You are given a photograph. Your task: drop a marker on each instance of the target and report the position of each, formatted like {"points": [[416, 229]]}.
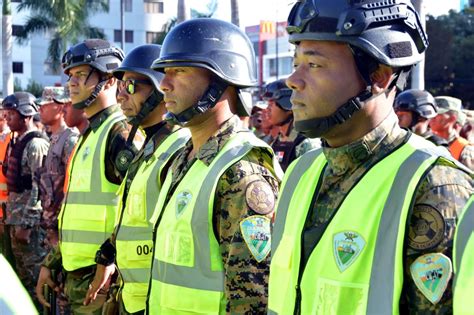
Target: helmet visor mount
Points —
{"points": [[301, 14]]}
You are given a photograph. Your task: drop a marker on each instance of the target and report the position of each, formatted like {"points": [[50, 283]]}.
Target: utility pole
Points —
{"points": [[418, 72], [7, 46], [122, 28]]}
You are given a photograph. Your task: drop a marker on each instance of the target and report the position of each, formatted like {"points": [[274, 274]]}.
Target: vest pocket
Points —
{"points": [[176, 248], [136, 211], [335, 297]]}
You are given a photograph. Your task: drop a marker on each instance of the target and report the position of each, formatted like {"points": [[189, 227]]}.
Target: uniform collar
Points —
{"points": [[97, 120], [379, 141]]}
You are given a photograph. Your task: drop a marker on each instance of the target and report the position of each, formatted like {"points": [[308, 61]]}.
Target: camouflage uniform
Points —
{"points": [[441, 194], [246, 279], [51, 177], [77, 281], [24, 212]]}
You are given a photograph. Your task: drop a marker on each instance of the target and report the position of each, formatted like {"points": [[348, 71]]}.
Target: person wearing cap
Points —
{"points": [[444, 125], [97, 167], [23, 211], [415, 108], [130, 246], [365, 224], [288, 144], [50, 176], [211, 248]]}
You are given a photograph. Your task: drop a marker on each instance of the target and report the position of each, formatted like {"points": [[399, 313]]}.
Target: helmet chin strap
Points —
{"points": [[208, 100], [148, 106], [88, 101]]}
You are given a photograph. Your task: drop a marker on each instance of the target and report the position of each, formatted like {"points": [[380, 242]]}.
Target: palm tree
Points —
{"points": [[183, 11], [7, 48], [66, 20], [234, 11]]}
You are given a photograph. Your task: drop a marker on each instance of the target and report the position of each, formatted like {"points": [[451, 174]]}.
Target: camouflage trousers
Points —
{"points": [[75, 289], [28, 258]]}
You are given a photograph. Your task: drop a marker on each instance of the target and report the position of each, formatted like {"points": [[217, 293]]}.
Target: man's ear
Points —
{"points": [[381, 79], [112, 81]]}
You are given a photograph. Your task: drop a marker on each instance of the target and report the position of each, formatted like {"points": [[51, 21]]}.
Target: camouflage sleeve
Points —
{"points": [[33, 156], [439, 201], [306, 145], [69, 147], [54, 259], [467, 157], [116, 142], [245, 200]]}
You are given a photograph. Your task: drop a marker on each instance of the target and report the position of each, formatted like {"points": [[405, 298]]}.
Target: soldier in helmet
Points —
{"points": [[213, 217], [23, 210], [289, 144], [98, 165], [414, 109], [131, 244], [50, 177], [364, 225]]}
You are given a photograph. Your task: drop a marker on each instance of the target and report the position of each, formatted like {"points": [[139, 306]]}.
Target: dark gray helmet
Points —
{"points": [[420, 102], [279, 92], [388, 31], [216, 45], [23, 102], [139, 60], [97, 53]]}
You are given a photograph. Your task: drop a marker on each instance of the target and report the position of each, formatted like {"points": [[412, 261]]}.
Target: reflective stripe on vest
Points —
{"points": [[134, 236], [381, 218], [187, 273], [88, 213], [463, 256]]}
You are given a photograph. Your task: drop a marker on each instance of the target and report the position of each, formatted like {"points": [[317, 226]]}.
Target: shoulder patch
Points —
{"points": [[260, 197], [427, 228], [256, 233], [431, 273]]}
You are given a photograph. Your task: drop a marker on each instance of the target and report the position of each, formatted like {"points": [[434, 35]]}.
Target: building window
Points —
{"points": [[129, 36], [153, 6], [152, 37], [128, 4], [17, 67], [17, 29], [284, 66]]}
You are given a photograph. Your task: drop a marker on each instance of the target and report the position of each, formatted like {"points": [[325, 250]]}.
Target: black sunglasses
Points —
{"points": [[130, 85]]}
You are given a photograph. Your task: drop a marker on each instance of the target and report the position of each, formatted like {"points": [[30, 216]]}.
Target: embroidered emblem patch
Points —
{"points": [[182, 200], [426, 229], [86, 153], [347, 247], [431, 273], [259, 197], [256, 233]]}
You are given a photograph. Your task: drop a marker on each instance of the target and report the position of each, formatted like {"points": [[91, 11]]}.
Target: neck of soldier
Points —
{"points": [[106, 98], [155, 117], [285, 130], [204, 126], [28, 126], [57, 126]]}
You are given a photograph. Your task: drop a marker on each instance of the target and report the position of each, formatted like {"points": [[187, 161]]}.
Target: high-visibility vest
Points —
{"points": [[88, 214], [14, 299], [4, 141], [463, 258], [357, 265], [457, 146], [134, 235], [187, 272]]}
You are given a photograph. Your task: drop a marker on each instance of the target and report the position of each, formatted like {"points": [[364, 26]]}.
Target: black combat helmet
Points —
{"points": [[218, 46], [23, 102], [378, 32], [100, 55], [420, 102], [279, 92]]}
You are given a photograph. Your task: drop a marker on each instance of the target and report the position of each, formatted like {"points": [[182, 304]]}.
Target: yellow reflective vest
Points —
{"points": [[88, 214], [463, 256], [134, 234], [187, 272], [356, 267]]}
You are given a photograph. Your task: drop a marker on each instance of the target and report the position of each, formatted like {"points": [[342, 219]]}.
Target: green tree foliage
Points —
{"points": [[66, 20], [33, 87], [450, 57]]}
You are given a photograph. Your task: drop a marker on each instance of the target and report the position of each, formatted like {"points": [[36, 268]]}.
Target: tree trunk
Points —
{"points": [[234, 9], [183, 11], [7, 45], [418, 72]]}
